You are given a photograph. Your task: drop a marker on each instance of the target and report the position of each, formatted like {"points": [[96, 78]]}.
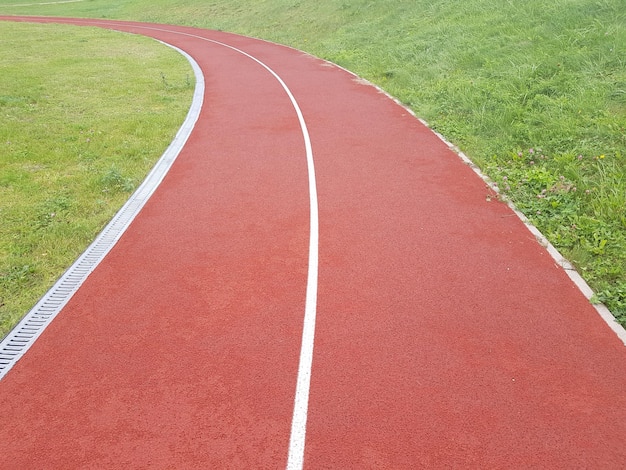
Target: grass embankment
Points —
{"points": [[85, 113], [534, 92]]}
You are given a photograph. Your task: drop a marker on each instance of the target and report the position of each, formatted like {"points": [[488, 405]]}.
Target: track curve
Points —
{"points": [[446, 336]]}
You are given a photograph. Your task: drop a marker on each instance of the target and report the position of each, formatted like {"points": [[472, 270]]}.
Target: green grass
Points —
{"points": [[85, 114], [496, 78]]}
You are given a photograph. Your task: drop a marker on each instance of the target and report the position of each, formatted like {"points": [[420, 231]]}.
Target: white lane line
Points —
{"points": [[297, 439], [25, 333], [295, 459]]}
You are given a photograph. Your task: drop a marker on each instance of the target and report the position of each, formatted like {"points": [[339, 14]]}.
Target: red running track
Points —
{"points": [[446, 335]]}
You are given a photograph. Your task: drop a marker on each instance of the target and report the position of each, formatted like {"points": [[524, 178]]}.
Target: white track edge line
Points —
{"points": [[558, 258], [28, 330]]}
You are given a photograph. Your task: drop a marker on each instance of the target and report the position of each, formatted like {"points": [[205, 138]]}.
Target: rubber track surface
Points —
{"points": [[446, 336]]}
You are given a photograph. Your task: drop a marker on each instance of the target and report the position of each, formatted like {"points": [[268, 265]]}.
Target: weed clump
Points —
{"points": [[577, 201], [113, 181]]}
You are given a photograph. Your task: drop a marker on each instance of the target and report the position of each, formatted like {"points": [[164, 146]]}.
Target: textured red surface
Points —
{"points": [[446, 335]]}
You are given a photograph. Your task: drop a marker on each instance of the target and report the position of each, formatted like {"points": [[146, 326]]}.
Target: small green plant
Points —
{"points": [[581, 213], [52, 210], [614, 297], [186, 84], [17, 274], [114, 181]]}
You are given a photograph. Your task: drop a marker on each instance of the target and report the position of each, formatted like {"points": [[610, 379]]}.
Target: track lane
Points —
{"points": [[201, 301], [446, 336]]}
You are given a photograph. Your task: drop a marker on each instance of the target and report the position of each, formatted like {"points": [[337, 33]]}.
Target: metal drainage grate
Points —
{"points": [[22, 337]]}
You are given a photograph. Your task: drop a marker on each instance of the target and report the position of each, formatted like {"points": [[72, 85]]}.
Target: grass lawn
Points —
{"points": [[85, 114], [534, 92]]}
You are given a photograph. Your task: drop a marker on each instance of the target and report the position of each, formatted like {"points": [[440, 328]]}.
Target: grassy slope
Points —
{"points": [[85, 113], [496, 78]]}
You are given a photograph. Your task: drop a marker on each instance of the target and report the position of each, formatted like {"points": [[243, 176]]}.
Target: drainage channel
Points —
{"points": [[26, 332]]}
